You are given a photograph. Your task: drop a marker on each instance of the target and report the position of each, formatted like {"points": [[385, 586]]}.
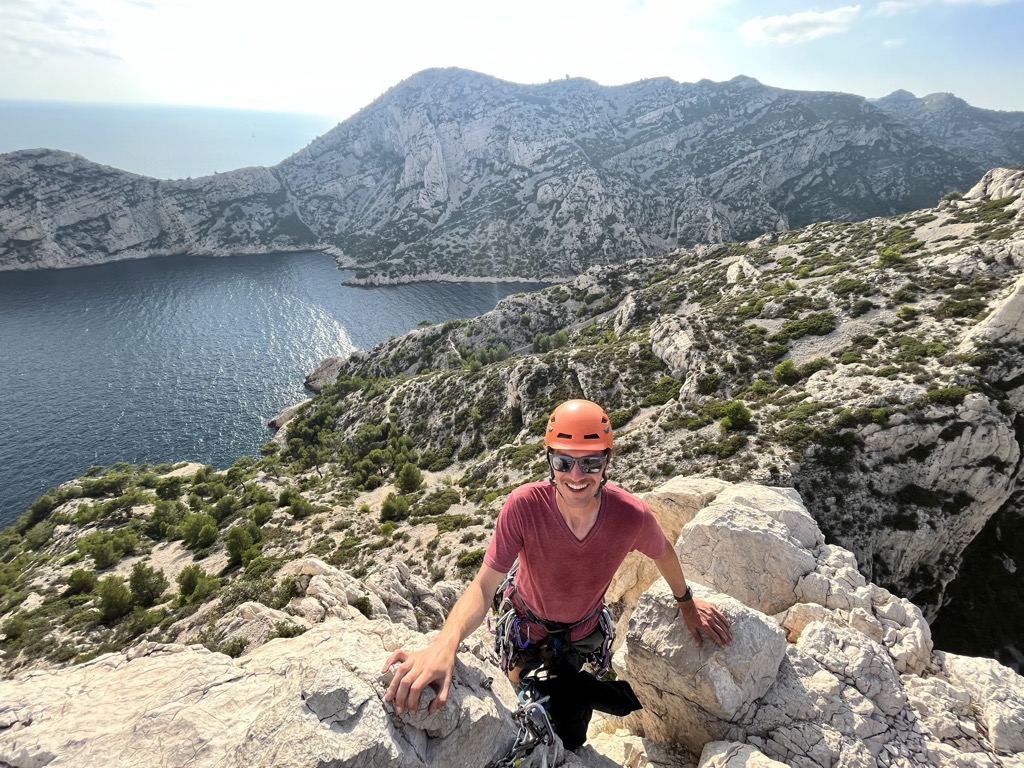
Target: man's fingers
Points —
{"points": [[696, 636], [396, 656]]}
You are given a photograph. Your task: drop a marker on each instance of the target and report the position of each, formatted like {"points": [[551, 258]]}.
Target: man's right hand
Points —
{"points": [[434, 664], [416, 670]]}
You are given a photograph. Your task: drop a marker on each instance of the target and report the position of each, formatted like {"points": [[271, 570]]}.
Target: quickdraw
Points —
{"points": [[534, 729]]}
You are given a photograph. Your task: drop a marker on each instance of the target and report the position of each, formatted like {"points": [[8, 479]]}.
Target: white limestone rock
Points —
{"points": [[736, 546], [725, 754], [252, 624], [690, 694], [996, 691], [314, 699], [672, 341]]}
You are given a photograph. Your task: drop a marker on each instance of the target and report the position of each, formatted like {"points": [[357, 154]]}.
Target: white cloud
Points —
{"points": [[978, 2], [60, 28], [799, 27], [894, 43], [895, 7]]}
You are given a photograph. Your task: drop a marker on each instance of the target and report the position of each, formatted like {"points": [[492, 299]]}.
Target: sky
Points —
{"points": [[333, 57]]}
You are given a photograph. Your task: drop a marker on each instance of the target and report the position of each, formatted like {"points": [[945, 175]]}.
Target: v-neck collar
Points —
{"points": [[567, 529]]}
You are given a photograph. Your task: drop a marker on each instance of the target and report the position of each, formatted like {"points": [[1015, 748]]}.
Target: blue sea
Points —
{"points": [[158, 141], [177, 358], [180, 358]]}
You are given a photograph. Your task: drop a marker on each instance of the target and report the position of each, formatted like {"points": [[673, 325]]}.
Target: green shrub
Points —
{"points": [[448, 523], [470, 560], [786, 373], [803, 411], [287, 629], [724, 448], [960, 308], [82, 581], [261, 513], [300, 508], [113, 598], [947, 395], [394, 507], [260, 566], [622, 417], [147, 584], [409, 478], [707, 383], [169, 488], [363, 605], [813, 366], [437, 502], [107, 548], [737, 416], [817, 324], [666, 389], [234, 647], [37, 512], [240, 542], [194, 585], [199, 531], [16, 627], [861, 307]]}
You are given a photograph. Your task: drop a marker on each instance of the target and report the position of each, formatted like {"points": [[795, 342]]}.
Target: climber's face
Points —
{"points": [[578, 475]]}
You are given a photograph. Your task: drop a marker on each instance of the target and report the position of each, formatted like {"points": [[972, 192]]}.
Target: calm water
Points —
{"points": [[181, 358], [162, 142]]}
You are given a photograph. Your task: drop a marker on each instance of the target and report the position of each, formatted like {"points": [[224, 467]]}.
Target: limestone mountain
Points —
{"points": [[454, 173], [983, 135]]}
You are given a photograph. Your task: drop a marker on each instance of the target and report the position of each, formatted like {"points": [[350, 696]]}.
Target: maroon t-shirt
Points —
{"points": [[562, 578]]}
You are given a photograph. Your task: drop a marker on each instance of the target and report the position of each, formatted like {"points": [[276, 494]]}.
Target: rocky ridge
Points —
{"points": [[453, 173], [826, 670]]}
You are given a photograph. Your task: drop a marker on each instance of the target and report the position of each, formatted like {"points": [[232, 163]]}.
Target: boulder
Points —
{"points": [[752, 543], [310, 700], [691, 694]]}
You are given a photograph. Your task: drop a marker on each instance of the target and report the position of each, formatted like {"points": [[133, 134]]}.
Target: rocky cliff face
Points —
{"points": [[826, 669], [952, 123], [60, 210], [452, 173]]}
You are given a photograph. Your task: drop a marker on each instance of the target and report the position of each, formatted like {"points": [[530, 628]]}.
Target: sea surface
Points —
{"points": [[180, 358], [164, 142]]}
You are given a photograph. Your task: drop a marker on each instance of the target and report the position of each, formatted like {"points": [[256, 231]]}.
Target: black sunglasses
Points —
{"points": [[589, 465]]}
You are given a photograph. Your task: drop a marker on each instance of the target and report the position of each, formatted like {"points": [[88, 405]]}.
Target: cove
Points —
{"points": [[181, 358]]}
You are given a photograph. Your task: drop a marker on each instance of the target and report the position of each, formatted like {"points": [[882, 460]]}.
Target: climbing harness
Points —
{"points": [[511, 630]]}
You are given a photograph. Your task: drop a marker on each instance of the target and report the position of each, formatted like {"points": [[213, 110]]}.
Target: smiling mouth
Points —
{"points": [[575, 487]]}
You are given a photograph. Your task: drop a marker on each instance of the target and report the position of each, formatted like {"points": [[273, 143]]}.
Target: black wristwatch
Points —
{"points": [[686, 597]]}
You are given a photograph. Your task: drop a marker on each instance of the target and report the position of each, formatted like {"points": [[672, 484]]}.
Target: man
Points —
{"points": [[570, 533]]}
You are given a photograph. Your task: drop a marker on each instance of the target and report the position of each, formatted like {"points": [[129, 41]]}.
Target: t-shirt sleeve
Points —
{"points": [[651, 539], [507, 539]]}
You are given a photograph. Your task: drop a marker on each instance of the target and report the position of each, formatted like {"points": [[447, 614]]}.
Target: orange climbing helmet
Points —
{"points": [[578, 425]]}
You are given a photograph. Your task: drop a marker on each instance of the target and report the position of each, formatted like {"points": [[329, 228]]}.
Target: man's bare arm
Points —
{"points": [[434, 664]]}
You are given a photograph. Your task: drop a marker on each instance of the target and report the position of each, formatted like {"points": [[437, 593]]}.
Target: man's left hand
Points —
{"points": [[702, 615]]}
